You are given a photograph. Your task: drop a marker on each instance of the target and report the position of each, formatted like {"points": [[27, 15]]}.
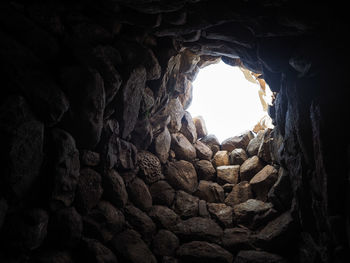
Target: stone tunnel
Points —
{"points": [[101, 162]]}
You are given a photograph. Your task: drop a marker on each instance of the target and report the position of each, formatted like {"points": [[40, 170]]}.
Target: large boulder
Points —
{"points": [[221, 158], [181, 175], [205, 170], [162, 193], [222, 213], [245, 213], [262, 182], [212, 141], [176, 112], [150, 167], [239, 141], [200, 126], [164, 217], [188, 129], [250, 168], [183, 149], [200, 251], [186, 205], [228, 174], [210, 192], [198, 228], [132, 248], [139, 194], [161, 144], [240, 193], [203, 151], [238, 156]]}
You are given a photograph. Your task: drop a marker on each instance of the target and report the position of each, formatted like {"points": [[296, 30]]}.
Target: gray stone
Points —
{"points": [[264, 152], [238, 156], [181, 175], [183, 149], [203, 151], [250, 168], [162, 144], [205, 170], [188, 129], [212, 142], [200, 127], [244, 213], [222, 213], [210, 192], [228, 174], [240, 193], [254, 144], [262, 182], [186, 205], [176, 113], [239, 141], [200, 251]]}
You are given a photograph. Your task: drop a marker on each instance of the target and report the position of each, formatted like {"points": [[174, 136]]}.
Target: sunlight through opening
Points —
{"points": [[227, 101]]}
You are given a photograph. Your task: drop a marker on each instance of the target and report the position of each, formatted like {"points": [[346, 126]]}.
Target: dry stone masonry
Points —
{"points": [[101, 162]]}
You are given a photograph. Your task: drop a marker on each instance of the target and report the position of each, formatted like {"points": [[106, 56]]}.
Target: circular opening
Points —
{"points": [[230, 100]]}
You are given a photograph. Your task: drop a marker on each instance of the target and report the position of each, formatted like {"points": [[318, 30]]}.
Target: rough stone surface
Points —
{"points": [[240, 141], [176, 113], [164, 216], [205, 170], [182, 175], [254, 144], [228, 174], [188, 129], [114, 188], [222, 213], [245, 212], [183, 149], [93, 250], [264, 152], [238, 156], [212, 142], [250, 168], [262, 182], [165, 243], [202, 209], [221, 158], [203, 151], [150, 167], [89, 158], [139, 194], [200, 127], [200, 251], [162, 144], [258, 257], [162, 193], [198, 228], [210, 192], [130, 245], [186, 205], [240, 193], [237, 238]]}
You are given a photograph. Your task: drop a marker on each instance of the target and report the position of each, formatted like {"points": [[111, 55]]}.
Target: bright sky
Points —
{"points": [[227, 101]]}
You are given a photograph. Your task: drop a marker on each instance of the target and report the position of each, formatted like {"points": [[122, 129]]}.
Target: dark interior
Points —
{"points": [[92, 112]]}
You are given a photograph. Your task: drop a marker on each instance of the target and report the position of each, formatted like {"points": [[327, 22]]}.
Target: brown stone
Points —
{"points": [[162, 193], [250, 168], [212, 142], [205, 170], [262, 182], [238, 156], [203, 151], [164, 216], [183, 149], [139, 194], [200, 127], [114, 188], [176, 112], [222, 213], [89, 158], [186, 205], [161, 145], [240, 193], [150, 167], [247, 256], [254, 144], [264, 152], [210, 192], [228, 174], [221, 158], [188, 129], [181, 175], [244, 213], [240, 141], [165, 243], [237, 238]]}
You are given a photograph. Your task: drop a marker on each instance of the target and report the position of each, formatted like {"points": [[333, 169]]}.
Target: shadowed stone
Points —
{"points": [[181, 175]]}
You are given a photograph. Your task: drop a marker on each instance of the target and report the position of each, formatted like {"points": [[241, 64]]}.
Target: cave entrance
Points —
{"points": [[231, 100]]}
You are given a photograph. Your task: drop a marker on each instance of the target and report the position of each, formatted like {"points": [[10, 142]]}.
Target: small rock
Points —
{"points": [[250, 168], [254, 144], [161, 145], [139, 194], [238, 156], [262, 182], [181, 175], [150, 167], [222, 213], [250, 256], [198, 228], [200, 251], [202, 209], [203, 151], [165, 243], [240, 141], [188, 128], [140, 221], [114, 188], [212, 142], [210, 192], [237, 238], [200, 127], [183, 149], [221, 158], [89, 190], [162, 193], [89, 158], [130, 245], [240, 193], [186, 205], [205, 170], [103, 222], [164, 216], [228, 174], [244, 213]]}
